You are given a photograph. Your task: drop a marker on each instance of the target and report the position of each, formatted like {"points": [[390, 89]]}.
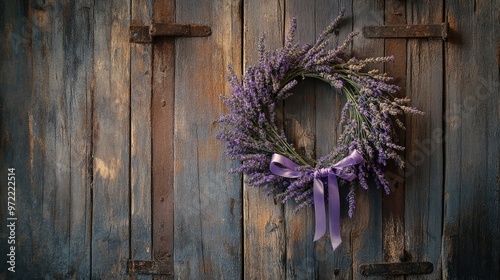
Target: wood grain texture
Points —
{"points": [[264, 222], [15, 102], [471, 247], [207, 213], [163, 138], [424, 152], [366, 234], [309, 115], [46, 134], [329, 103], [299, 122], [11, 104], [78, 40], [115, 156], [50, 134], [111, 140], [140, 140], [393, 205]]}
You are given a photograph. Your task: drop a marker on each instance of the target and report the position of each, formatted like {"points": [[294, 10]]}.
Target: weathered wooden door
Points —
{"points": [[117, 173]]}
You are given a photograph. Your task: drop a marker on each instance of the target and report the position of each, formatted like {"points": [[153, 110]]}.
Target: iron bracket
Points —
{"points": [[145, 34], [407, 31]]}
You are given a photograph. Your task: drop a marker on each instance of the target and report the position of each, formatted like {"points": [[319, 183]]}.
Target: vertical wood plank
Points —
{"points": [[424, 154], [78, 40], [208, 199], [46, 111], [163, 138], [111, 140], [329, 103], [309, 115], [140, 150], [15, 106], [264, 227], [299, 123], [393, 205], [50, 132], [366, 234], [471, 247]]}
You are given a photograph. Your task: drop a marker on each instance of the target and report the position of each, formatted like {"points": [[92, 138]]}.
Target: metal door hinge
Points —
{"points": [[404, 268], [149, 267], [145, 34], [407, 31]]}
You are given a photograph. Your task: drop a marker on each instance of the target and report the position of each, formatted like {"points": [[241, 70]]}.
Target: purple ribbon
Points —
{"points": [[284, 167]]}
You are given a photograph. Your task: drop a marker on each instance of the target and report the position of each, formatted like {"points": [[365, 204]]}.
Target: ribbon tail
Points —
{"points": [[334, 211], [319, 209]]}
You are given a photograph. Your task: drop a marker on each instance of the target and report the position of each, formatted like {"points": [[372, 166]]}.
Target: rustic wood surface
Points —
{"points": [[264, 221], [299, 122], [424, 154], [46, 69], [77, 67], [53, 136], [115, 157], [207, 214], [162, 110], [393, 205], [313, 134], [471, 243], [141, 55], [111, 140], [15, 59], [366, 235], [328, 106]]}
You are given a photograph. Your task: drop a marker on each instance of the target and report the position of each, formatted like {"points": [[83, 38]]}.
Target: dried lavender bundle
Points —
{"points": [[369, 116]]}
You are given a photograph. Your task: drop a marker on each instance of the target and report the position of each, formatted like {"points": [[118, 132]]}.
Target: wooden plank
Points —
{"points": [[393, 205], [299, 122], [179, 30], [366, 232], [47, 68], [163, 139], [309, 115], [394, 268], [207, 211], [111, 140], [407, 31], [150, 267], [264, 227], [15, 107], [328, 105], [78, 69], [140, 140], [424, 154], [471, 243], [51, 142], [7, 71]]}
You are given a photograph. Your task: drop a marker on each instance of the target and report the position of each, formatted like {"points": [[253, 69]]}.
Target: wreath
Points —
{"points": [[369, 117]]}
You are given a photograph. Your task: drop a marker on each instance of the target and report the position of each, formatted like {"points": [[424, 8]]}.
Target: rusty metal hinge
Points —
{"points": [[407, 31], [145, 34], [149, 267], [403, 268]]}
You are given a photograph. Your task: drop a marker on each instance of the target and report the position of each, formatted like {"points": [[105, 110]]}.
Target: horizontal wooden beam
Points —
{"points": [[407, 31], [149, 267], [145, 34], [404, 268]]}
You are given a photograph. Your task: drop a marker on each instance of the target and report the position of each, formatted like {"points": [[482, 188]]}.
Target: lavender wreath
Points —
{"points": [[369, 117]]}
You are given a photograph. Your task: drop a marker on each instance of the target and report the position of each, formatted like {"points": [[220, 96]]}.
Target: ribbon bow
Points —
{"points": [[284, 167]]}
